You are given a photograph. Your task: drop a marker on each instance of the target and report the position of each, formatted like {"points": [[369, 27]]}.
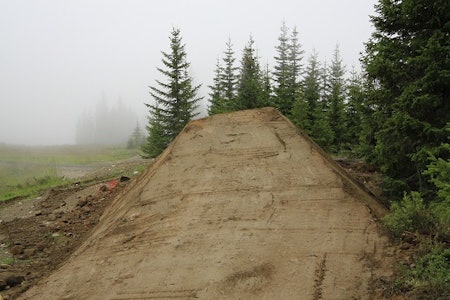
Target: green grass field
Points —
{"points": [[27, 170]]}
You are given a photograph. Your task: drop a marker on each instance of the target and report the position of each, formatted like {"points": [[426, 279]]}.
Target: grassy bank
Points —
{"points": [[27, 170]]}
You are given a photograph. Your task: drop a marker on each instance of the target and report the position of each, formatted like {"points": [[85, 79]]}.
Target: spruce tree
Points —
{"points": [[336, 101], [287, 70], [370, 124], [321, 131], [229, 76], [282, 73], [309, 111], [136, 139], [224, 88], [355, 98], [250, 87], [158, 137], [175, 99], [295, 63], [311, 90], [266, 95], [299, 113], [324, 90], [408, 64], [217, 99]]}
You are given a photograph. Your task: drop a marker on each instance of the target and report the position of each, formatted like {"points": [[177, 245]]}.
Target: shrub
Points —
{"points": [[430, 278], [409, 214], [439, 172]]}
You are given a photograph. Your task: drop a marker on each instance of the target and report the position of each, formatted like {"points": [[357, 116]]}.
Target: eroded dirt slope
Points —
{"points": [[240, 206]]}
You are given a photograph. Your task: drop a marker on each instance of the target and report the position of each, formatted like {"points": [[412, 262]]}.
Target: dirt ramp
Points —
{"points": [[240, 206]]}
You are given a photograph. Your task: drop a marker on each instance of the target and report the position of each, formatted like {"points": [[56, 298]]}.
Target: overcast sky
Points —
{"points": [[57, 57]]}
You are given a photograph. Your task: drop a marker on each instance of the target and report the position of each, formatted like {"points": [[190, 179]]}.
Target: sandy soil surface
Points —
{"points": [[240, 206]]}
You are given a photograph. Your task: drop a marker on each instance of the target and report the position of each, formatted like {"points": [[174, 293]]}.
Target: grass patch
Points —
{"points": [[64, 155], [30, 188], [26, 171], [7, 261]]}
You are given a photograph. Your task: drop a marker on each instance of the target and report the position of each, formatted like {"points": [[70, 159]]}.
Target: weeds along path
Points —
{"points": [[240, 206]]}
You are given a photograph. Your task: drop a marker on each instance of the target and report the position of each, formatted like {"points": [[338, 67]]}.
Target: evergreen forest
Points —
{"points": [[393, 114]]}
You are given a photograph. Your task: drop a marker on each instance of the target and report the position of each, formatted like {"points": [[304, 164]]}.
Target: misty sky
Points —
{"points": [[57, 58]]}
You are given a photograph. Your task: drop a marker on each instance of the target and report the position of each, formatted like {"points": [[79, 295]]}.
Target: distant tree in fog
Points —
{"points": [[137, 138], [85, 130], [106, 126], [175, 98]]}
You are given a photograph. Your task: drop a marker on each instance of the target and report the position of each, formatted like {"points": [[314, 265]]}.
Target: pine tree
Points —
{"points": [[355, 98], [266, 95], [370, 125], [336, 101], [217, 99], [324, 90], [309, 111], [223, 90], [321, 130], [229, 77], [136, 139], [158, 137], [311, 91], [250, 87], [282, 72], [408, 65], [295, 63], [299, 113], [176, 98], [287, 70]]}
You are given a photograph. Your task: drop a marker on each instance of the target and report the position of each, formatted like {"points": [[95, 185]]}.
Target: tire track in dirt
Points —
{"points": [[319, 278]]}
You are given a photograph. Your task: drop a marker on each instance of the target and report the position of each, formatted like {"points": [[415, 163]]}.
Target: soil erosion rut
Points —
{"points": [[239, 206]]}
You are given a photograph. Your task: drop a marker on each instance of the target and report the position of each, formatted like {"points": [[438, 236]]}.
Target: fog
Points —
{"points": [[59, 59]]}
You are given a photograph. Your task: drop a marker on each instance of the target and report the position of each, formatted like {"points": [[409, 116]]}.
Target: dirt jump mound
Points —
{"points": [[239, 206]]}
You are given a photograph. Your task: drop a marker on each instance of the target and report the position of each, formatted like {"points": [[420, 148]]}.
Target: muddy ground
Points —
{"points": [[37, 235]]}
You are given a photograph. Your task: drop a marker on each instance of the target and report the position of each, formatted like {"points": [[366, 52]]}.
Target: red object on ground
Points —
{"points": [[112, 184]]}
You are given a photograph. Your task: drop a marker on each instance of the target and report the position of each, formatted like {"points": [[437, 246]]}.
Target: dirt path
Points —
{"points": [[240, 206]]}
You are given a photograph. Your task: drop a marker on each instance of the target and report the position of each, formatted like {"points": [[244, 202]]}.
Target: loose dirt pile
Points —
{"points": [[240, 206]]}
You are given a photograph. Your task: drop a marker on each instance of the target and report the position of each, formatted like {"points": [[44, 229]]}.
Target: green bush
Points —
{"points": [[441, 215], [409, 214], [439, 173], [430, 278]]}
